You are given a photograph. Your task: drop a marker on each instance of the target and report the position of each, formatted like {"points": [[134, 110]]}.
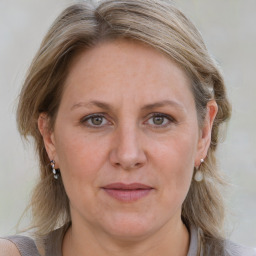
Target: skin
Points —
{"points": [[126, 144]]}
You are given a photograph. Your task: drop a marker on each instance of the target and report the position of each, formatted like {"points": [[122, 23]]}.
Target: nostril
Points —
{"points": [[127, 158], [132, 166]]}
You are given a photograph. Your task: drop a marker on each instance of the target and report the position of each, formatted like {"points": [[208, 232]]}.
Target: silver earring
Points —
{"points": [[56, 172], [199, 176]]}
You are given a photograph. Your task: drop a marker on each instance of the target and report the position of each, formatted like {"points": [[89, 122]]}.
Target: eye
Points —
{"points": [[95, 120], [160, 120]]}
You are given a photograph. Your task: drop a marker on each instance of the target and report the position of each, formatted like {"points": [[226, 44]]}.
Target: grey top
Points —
{"points": [[51, 245]]}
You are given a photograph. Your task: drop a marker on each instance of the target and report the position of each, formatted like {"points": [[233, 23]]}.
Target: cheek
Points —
{"points": [[80, 156], [176, 152], [175, 161], [81, 159]]}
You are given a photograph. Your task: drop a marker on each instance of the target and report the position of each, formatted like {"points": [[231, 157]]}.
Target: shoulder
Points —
{"points": [[18, 246], [234, 249], [8, 248], [225, 247]]}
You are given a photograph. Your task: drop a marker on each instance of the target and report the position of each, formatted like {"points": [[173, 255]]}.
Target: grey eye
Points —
{"points": [[97, 120], [158, 120]]}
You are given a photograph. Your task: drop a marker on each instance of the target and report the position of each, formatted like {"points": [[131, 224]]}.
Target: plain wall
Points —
{"points": [[228, 28]]}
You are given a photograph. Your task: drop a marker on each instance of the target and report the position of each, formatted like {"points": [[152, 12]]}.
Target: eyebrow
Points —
{"points": [[96, 103], [106, 106], [164, 103]]}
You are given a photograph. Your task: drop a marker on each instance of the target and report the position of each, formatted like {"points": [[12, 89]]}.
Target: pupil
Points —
{"points": [[158, 120], [97, 120]]}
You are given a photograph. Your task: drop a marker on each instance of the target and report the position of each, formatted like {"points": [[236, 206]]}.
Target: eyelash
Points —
{"points": [[169, 118], [85, 120]]}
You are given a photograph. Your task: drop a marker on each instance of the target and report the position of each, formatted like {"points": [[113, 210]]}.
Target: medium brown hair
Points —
{"points": [[157, 23]]}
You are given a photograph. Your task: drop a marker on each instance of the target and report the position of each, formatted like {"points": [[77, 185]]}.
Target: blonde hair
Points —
{"points": [[157, 23]]}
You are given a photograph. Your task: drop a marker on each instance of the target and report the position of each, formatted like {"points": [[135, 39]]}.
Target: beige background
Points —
{"points": [[228, 27]]}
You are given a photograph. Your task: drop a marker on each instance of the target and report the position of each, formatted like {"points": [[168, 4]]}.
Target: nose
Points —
{"points": [[127, 150]]}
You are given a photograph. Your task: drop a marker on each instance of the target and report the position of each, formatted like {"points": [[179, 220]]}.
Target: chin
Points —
{"points": [[130, 228]]}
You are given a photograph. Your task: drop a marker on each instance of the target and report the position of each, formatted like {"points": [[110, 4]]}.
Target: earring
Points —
{"points": [[56, 172], [199, 176]]}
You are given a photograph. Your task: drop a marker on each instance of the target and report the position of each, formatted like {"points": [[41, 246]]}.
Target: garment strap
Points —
{"points": [[25, 245]]}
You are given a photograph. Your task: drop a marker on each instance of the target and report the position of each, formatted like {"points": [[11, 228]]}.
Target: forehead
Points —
{"points": [[128, 67], [120, 52]]}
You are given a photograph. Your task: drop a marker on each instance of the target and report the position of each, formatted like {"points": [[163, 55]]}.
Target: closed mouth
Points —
{"points": [[127, 192], [131, 186]]}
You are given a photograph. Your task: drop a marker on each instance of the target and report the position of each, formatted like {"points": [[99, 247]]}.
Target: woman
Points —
{"points": [[125, 105]]}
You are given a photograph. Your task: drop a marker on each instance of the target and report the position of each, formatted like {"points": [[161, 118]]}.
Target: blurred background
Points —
{"points": [[229, 30]]}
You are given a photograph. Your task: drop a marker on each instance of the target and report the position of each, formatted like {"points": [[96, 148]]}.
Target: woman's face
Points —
{"points": [[126, 139]]}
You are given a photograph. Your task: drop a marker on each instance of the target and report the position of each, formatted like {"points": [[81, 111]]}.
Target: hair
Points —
{"points": [[157, 23]]}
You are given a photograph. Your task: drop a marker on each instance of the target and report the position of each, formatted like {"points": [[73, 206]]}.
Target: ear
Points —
{"points": [[205, 132], [47, 134]]}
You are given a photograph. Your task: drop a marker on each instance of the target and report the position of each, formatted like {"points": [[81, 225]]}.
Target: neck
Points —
{"points": [[165, 242]]}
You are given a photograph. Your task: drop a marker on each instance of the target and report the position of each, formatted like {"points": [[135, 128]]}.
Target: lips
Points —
{"points": [[127, 192], [122, 186]]}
